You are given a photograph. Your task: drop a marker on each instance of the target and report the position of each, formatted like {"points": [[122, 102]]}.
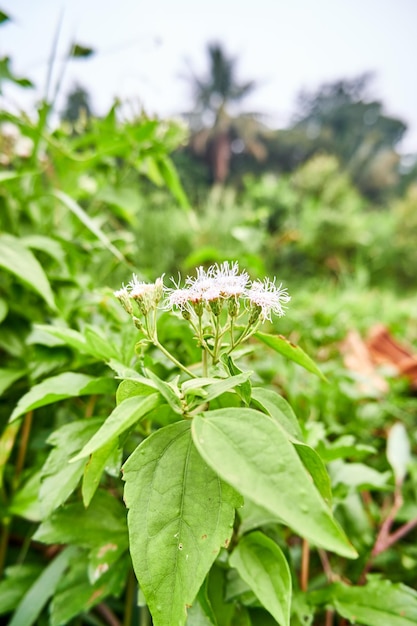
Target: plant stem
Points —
{"points": [[330, 575], [4, 541], [24, 440], [385, 539], [90, 406], [172, 358], [129, 600], [106, 612], [145, 617], [305, 564], [401, 532], [204, 356]]}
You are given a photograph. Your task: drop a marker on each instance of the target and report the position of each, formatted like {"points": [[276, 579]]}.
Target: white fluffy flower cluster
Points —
{"points": [[146, 295], [225, 283]]}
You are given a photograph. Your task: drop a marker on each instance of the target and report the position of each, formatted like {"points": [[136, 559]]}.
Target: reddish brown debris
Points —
{"points": [[380, 348]]}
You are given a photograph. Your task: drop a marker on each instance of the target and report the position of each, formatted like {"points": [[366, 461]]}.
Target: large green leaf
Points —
{"points": [[262, 564], [59, 387], [252, 452], [180, 515], [42, 589], [124, 416], [378, 603], [20, 261], [290, 351]]}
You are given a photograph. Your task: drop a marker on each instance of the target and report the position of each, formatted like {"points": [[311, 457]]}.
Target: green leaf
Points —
{"points": [[345, 446], [124, 416], [180, 515], [8, 377], [317, 470], [7, 74], [59, 478], [10, 174], [66, 336], [245, 389], [252, 453], [7, 441], [76, 594], [88, 223], [278, 408], [263, 566], [4, 17], [131, 388], [25, 502], [80, 52], [379, 602], [46, 244], [220, 387], [18, 260], [357, 476], [60, 387], [18, 579], [169, 391], [98, 344], [201, 612], [170, 177], [103, 522], [4, 309], [42, 589], [398, 451], [290, 351], [103, 557], [94, 469]]}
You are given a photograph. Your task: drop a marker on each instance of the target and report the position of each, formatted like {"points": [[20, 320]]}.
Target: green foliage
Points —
{"points": [[189, 448]]}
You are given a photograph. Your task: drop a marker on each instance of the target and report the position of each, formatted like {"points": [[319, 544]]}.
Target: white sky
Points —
{"points": [[285, 45]]}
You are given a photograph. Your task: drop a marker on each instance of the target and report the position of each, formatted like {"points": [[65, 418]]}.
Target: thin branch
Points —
{"points": [[385, 539], [108, 614], [401, 532]]}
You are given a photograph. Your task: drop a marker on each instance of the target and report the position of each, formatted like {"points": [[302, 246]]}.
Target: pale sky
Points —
{"points": [[142, 49]]}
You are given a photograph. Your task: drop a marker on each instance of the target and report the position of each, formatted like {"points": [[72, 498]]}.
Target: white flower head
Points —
{"points": [[203, 287], [268, 297], [177, 298], [147, 295], [228, 280], [124, 297]]}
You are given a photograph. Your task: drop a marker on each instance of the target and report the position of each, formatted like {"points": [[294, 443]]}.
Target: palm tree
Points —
{"points": [[214, 129]]}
